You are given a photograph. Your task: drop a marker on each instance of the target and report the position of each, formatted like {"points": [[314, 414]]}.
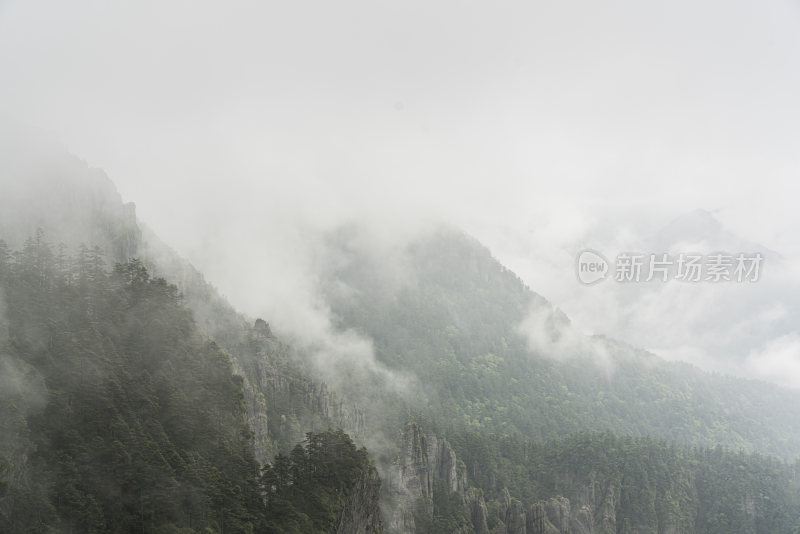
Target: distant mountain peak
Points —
{"points": [[701, 229]]}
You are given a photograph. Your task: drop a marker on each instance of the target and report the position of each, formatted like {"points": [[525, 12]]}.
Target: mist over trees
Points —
{"points": [[345, 299], [117, 415], [120, 414]]}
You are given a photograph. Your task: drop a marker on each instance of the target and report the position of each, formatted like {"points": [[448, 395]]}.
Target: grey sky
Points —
{"points": [[538, 126]]}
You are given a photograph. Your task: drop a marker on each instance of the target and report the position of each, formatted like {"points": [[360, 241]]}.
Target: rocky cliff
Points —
{"points": [[283, 403], [420, 482], [424, 465]]}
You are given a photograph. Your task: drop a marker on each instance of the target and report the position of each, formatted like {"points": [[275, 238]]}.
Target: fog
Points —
{"points": [[246, 131]]}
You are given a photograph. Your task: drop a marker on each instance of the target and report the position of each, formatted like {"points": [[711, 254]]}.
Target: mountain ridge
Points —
{"points": [[455, 323]]}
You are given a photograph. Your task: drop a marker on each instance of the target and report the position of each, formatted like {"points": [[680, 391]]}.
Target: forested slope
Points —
{"points": [[138, 422], [458, 322], [131, 404], [606, 483], [119, 417]]}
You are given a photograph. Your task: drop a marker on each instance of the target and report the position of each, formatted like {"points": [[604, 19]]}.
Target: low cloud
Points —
{"points": [[549, 333], [237, 130], [278, 269], [778, 361]]}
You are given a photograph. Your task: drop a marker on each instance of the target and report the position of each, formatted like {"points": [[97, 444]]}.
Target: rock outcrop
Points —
{"points": [[426, 464], [411, 479], [283, 404]]}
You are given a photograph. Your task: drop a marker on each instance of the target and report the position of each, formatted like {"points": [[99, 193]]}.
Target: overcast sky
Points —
{"points": [[540, 127]]}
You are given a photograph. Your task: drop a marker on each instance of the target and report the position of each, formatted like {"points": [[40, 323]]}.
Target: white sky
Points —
{"points": [[537, 126]]}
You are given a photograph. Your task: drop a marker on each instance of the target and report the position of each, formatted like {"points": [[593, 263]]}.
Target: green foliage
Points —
{"points": [[452, 321], [448, 511], [518, 417], [307, 489], [649, 484], [122, 418], [118, 416]]}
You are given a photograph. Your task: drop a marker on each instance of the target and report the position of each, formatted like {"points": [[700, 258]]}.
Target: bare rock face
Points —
{"points": [[425, 463], [476, 509], [515, 518], [422, 461], [283, 404], [549, 517], [593, 511]]}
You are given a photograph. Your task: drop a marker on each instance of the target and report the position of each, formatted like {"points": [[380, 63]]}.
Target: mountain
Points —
{"points": [[585, 483], [495, 356], [504, 372], [121, 413], [700, 231], [46, 188], [119, 416], [136, 405], [138, 422]]}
